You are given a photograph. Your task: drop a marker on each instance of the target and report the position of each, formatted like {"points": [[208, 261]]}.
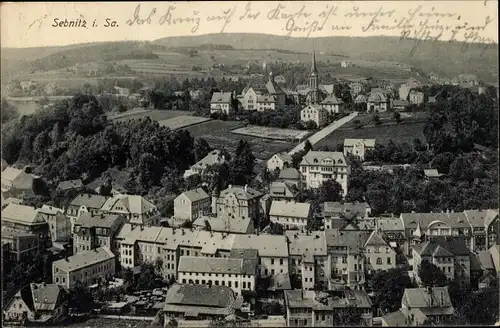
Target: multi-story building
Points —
{"points": [[269, 97], [22, 245], [318, 166], [485, 230], [290, 214], [316, 113], [136, 209], [221, 102], [237, 274], [404, 89], [15, 182], [291, 175], [358, 147], [333, 104], [237, 202], [416, 97], [347, 262], [378, 254], [279, 161], [356, 88], [336, 215], [283, 191], [435, 302], [198, 302], [88, 268], [192, 204], [307, 308], [59, 224], [84, 203], [449, 254], [266, 102], [225, 224], [215, 157], [447, 223], [93, 231], [309, 258], [26, 219], [377, 102]]}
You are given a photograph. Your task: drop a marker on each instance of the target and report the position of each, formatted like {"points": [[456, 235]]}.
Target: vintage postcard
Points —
{"points": [[250, 163]]}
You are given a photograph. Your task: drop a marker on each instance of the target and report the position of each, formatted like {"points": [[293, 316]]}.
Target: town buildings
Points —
{"points": [[15, 181], [221, 102], [337, 215], [286, 191], [318, 166], [192, 204], [434, 302], [90, 267], [213, 158], [269, 97], [410, 84], [358, 147], [333, 105], [21, 245], [225, 224], [279, 161], [26, 219], [136, 209], [378, 101], [416, 97], [237, 202], [93, 231], [290, 214], [59, 224], [315, 113], [378, 254]]}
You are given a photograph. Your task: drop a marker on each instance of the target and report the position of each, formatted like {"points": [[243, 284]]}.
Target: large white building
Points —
{"points": [[269, 97], [319, 166], [358, 147], [290, 214], [315, 113], [237, 274]]}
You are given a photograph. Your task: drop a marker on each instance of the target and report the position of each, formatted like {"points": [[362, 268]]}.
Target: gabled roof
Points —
{"points": [[438, 300], [290, 209], [348, 238], [332, 100], [89, 201], [214, 157], [453, 219], [241, 193], [225, 224], [283, 189], [87, 220], [316, 107], [361, 98], [377, 97], [195, 194], [84, 259], [50, 210], [349, 208], [432, 173], [200, 295], [284, 156], [306, 246], [316, 157], [485, 260], [11, 173], [21, 213], [221, 97], [216, 265], [266, 245], [290, 173], [134, 204], [266, 99], [69, 184], [480, 219], [353, 142], [273, 88], [46, 297], [451, 246], [375, 239]]}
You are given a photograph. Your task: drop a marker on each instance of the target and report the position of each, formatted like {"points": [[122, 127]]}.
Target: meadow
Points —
{"points": [[272, 133], [182, 121], [154, 114]]}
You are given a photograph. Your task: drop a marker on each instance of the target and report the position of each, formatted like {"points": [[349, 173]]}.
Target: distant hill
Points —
{"points": [[440, 57]]}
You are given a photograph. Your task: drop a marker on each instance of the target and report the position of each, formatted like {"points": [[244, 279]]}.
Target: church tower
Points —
{"points": [[314, 81]]}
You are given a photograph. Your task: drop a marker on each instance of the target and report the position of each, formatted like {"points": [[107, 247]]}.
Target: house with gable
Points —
{"points": [[358, 147], [221, 102], [237, 202], [215, 157], [135, 208], [37, 304], [26, 219], [59, 224], [192, 204], [290, 214], [279, 161], [332, 104], [315, 113], [283, 191], [377, 102], [484, 227], [378, 254], [435, 302], [268, 97]]}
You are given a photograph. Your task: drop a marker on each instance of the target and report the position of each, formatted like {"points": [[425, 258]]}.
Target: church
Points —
{"points": [[319, 106]]}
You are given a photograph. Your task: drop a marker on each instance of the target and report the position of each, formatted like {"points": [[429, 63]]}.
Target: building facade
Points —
{"points": [[319, 166], [358, 147], [192, 204]]}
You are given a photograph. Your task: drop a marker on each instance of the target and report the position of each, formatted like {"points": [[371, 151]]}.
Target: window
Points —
{"points": [[379, 260], [344, 259], [249, 285], [388, 260], [236, 284], [281, 261], [229, 284], [272, 261]]}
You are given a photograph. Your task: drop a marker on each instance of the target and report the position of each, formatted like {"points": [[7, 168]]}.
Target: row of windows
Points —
{"points": [[245, 284], [215, 274], [379, 260]]}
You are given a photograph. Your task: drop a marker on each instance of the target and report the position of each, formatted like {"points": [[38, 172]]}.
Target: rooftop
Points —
{"points": [[85, 259], [217, 265], [478, 218], [200, 296], [324, 158], [452, 219], [225, 224], [307, 246], [310, 299], [289, 173], [241, 193], [290, 209], [285, 157], [89, 200], [354, 142], [11, 173], [434, 300], [443, 246], [195, 194], [87, 220], [267, 245], [69, 184], [432, 173], [21, 213], [221, 97], [338, 208], [214, 157]]}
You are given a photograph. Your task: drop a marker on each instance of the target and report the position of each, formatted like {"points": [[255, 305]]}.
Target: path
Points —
{"points": [[320, 135]]}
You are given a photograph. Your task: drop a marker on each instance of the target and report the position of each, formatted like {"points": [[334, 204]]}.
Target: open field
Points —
{"points": [[183, 121], [387, 118], [218, 134], [404, 132], [154, 114], [272, 133]]}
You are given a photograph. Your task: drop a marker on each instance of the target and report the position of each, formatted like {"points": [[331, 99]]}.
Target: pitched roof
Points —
{"points": [[51, 210], [432, 173], [11, 173], [214, 157], [308, 299], [20, 213], [486, 260], [85, 259], [338, 207], [455, 220], [316, 107], [69, 184], [401, 317], [377, 97], [332, 100], [284, 156], [290, 173], [495, 256], [443, 246], [348, 238], [241, 193], [480, 219], [134, 204], [437, 301], [266, 245], [390, 224], [46, 296], [360, 98], [266, 98], [306, 246], [87, 220], [225, 224], [354, 142], [317, 157], [375, 239], [286, 189], [195, 194], [273, 88], [290, 209], [221, 97], [89, 200], [200, 296], [216, 265]]}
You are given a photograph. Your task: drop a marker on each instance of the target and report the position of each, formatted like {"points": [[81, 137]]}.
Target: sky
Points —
{"points": [[37, 24]]}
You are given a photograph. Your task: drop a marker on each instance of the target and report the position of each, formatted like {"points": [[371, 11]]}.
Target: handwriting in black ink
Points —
{"points": [[248, 13], [136, 19], [170, 19], [226, 17]]}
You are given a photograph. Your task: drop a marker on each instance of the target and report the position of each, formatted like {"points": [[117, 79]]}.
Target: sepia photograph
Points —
{"points": [[250, 164]]}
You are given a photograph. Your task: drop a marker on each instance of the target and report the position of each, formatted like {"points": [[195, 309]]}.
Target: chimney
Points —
{"points": [[246, 188], [230, 186]]}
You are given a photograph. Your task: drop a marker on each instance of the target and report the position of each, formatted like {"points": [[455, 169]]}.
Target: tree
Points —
{"points": [[80, 298], [430, 275], [480, 308], [242, 164], [461, 169], [208, 227], [349, 316], [308, 146], [389, 287], [8, 111], [357, 124], [158, 265], [129, 276], [376, 119], [201, 149], [276, 229], [329, 191]]}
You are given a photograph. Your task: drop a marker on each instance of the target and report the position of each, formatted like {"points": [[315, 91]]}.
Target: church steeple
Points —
{"points": [[314, 81], [314, 70]]}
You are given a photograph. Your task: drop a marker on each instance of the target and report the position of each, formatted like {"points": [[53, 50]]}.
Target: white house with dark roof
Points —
{"points": [[318, 166], [192, 204], [377, 102], [213, 158], [237, 274], [238, 202], [315, 113], [59, 224], [15, 179], [290, 214], [93, 231], [279, 161], [225, 224], [221, 102], [266, 102], [86, 267], [435, 302], [484, 227], [358, 147], [26, 219], [268, 97], [332, 104], [283, 191], [378, 254], [85, 203]]}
